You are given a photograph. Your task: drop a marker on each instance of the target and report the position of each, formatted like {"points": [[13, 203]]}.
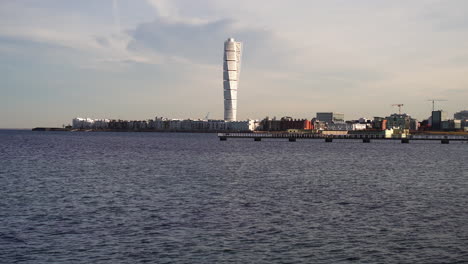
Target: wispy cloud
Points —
{"points": [[168, 11]]}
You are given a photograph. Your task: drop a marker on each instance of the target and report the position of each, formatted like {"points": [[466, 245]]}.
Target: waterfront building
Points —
{"points": [[397, 133], [290, 123], [364, 120], [284, 124], [165, 124], [387, 133], [414, 124], [268, 124], [217, 125], [118, 125], [330, 117], [242, 126], [319, 125], [88, 123], [462, 115], [464, 123], [401, 121], [451, 125], [339, 127], [437, 118], [360, 126], [346, 126], [137, 125], [175, 124], [186, 124], [231, 74], [379, 123], [160, 123], [200, 125], [82, 123]]}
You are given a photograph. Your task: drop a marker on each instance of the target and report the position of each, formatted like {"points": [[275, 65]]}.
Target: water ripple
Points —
{"points": [[185, 198]]}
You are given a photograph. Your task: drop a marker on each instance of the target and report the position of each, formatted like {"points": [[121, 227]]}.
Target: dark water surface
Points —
{"points": [[190, 198]]}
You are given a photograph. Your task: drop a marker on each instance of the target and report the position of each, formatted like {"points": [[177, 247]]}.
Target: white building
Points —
{"points": [[101, 123], [165, 124], [360, 126], [231, 74], [249, 125], [79, 122], [217, 125], [346, 126], [159, 123], [175, 124], [88, 123]]}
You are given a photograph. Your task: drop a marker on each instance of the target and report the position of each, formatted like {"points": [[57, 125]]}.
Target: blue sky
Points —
{"points": [[137, 59]]}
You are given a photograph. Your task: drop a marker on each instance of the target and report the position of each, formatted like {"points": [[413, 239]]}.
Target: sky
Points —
{"points": [[138, 59]]}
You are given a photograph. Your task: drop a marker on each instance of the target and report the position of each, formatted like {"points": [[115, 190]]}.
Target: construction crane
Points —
{"points": [[399, 107], [433, 102], [207, 115]]}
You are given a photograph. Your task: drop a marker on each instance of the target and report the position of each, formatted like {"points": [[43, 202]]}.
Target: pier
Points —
{"points": [[292, 137]]}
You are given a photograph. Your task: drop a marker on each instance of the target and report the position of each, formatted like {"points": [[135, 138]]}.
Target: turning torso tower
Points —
{"points": [[231, 67]]}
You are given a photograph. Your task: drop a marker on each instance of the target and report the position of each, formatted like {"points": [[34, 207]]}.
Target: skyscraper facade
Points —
{"points": [[437, 118], [231, 74]]}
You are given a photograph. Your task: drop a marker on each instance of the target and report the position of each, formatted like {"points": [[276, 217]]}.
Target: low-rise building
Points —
{"points": [[451, 125], [248, 125], [164, 124], [464, 123], [319, 125], [290, 123], [346, 126], [378, 123], [401, 121], [270, 125], [88, 123]]}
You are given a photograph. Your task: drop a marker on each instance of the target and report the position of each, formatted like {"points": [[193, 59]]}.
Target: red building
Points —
{"points": [[289, 123]]}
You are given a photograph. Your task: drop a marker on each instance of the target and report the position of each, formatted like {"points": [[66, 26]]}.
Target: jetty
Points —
{"points": [[366, 138]]}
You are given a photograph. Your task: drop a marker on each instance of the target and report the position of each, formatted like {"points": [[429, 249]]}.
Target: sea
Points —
{"points": [[103, 197]]}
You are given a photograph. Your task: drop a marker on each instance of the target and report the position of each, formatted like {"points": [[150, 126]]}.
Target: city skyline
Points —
{"points": [[138, 59]]}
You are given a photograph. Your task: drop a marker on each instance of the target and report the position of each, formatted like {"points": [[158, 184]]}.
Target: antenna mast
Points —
{"points": [[433, 102]]}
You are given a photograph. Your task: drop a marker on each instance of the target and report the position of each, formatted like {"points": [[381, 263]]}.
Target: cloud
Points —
{"points": [[101, 45], [168, 10], [102, 41], [202, 43], [449, 16]]}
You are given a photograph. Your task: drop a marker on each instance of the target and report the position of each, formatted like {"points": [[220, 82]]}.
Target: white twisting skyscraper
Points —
{"points": [[231, 67]]}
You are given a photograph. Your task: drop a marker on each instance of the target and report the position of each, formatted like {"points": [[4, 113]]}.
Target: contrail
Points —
{"points": [[115, 12]]}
